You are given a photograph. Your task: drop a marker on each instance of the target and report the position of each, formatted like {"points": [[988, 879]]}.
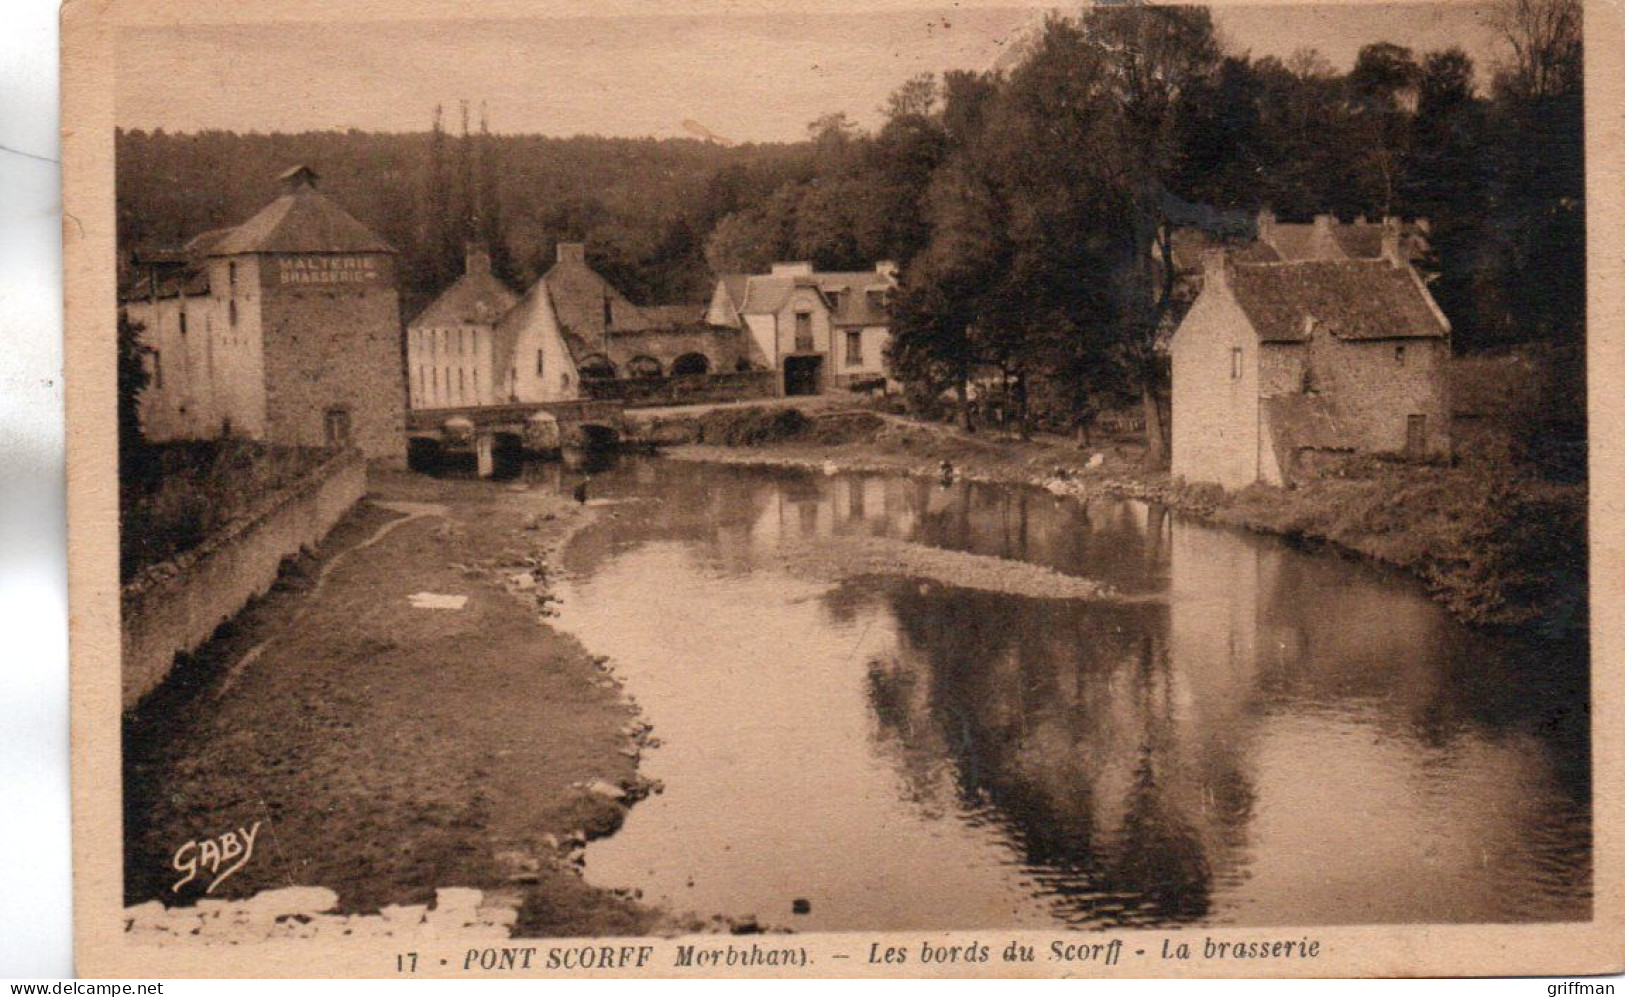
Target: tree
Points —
{"points": [[1547, 53], [136, 463], [1153, 58]]}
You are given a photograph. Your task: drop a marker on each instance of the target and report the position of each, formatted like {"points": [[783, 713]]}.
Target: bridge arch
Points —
{"points": [[644, 366], [597, 367], [691, 364]]}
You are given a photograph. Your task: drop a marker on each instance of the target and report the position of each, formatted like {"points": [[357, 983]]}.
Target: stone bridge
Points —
{"points": [[541, 427]]}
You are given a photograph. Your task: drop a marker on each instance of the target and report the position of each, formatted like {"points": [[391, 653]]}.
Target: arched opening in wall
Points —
{"points": [[644, 367], [596, 367], [691, 365]]}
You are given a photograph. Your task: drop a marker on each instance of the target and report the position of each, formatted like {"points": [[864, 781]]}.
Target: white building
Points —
{"points": [[822, 331]]}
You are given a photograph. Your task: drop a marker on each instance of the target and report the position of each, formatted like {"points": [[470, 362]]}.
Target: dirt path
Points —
{"points": [[387, 750]]}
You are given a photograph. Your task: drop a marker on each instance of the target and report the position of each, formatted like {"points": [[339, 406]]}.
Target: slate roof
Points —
{"points": [[1359, 299], [303, 220], [477, 298], [672, 316], [578, 294], [844, 293]]}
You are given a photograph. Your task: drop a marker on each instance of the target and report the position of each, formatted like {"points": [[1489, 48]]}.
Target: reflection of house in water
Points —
{"points": [[809, 507]]}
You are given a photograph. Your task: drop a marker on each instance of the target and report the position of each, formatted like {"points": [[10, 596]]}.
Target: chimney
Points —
{"points": [[297, 178], [476, 259], [1215, 264], [572, 252], [1266, 224], [1322, 243], [1390, 243], [887, 269], [792, 269]]}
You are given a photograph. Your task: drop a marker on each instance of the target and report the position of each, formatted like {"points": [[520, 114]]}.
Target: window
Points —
{"points": [[183, 320], [854, 348], [231, 275], [155, 369], [231, 311], [1399, 354], [460, 395], [877, 302], [609, 313], [1235, 363], [541, 360], [804, 332], [336, 426]]}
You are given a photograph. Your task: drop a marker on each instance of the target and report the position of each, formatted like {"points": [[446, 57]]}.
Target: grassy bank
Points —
{"points": [[1493, 541], [387, 750]]}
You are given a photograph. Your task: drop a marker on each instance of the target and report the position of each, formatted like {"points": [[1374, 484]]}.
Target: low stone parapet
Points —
{"points": [[173, 607]]}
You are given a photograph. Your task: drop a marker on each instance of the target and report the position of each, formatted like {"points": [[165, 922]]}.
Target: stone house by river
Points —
{"points": [[285, 328], [820, 330], [1278, 367], [478, 343]]}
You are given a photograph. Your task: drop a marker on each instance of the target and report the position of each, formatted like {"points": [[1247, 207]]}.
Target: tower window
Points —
{"points": [[1235, 363], [336, 427], [541, 359], [231, 311]]}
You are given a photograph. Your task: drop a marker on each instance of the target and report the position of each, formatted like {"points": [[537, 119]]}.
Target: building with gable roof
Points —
{"points": [[1277, 364], [285, 328], [480, 344], [452, 357], [820, 330]]}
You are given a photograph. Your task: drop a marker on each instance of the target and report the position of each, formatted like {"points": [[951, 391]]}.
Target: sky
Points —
{"points": [[744, 77]]}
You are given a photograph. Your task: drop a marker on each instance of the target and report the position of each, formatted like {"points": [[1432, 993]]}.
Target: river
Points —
{"points": [[1240, 733]]}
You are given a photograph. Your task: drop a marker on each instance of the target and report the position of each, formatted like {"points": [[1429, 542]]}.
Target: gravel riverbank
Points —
{"points": [[386, 752]]}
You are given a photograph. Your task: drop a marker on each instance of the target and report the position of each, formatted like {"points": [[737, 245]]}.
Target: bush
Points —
{"points": [[750, 427], [189, 491]]}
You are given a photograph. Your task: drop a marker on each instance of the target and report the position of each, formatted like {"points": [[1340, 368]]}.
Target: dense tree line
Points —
{"points": [[644, 206], [1028, 207]]}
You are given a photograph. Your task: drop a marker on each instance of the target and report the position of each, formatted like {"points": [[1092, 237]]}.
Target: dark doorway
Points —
{"points": [[802, 375]]}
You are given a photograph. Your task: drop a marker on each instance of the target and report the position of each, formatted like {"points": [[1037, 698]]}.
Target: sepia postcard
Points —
{"points": [[845, 490]]}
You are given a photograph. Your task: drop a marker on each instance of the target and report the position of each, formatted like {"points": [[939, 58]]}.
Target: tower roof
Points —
{"points": [[302, 220]]}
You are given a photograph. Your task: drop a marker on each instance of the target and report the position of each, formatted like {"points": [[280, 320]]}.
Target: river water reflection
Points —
{"points": [[1267, 737]]}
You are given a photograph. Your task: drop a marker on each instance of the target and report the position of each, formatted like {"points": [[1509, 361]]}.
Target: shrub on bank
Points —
{"points": [[190, 490], [1497, 545], [750, 427]]}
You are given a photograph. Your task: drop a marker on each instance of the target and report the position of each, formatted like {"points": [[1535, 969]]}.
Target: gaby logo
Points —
{"points": [[219, 857]]}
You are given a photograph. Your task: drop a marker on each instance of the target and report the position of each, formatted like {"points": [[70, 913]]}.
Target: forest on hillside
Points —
{"points": [[1023, 205], [643, 205]]}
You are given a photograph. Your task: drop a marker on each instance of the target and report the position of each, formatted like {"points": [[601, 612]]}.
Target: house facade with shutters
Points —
{"points": [[1278, 367], [821, 330], [285, 328]]}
